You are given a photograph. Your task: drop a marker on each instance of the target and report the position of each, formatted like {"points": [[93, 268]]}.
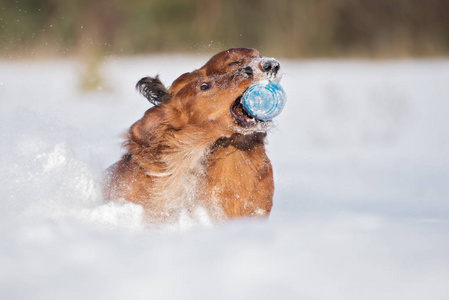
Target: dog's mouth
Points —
{"points": [[241, 117]]}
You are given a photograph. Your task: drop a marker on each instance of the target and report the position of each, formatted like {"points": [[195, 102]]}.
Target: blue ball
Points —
{"points": [[264, 100]]}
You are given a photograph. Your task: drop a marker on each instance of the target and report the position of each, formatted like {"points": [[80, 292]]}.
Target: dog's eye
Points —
{"points": [[235, 63], [205, 86]]}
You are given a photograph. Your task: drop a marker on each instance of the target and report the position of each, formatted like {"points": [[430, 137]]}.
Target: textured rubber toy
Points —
{"points": [[264, 100]]}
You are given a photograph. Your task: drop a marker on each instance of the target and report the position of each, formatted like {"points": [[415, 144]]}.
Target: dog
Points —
{"points": [[196, 150]]}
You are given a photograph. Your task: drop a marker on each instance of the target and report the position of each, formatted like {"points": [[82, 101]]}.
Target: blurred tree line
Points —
{"points": [[291, 28]]}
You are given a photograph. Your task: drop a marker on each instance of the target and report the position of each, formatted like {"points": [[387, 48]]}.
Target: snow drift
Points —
{"points": [[360, 207]]}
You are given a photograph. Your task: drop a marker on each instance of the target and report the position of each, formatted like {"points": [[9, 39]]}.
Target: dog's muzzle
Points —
{"points": [[271, 66]]}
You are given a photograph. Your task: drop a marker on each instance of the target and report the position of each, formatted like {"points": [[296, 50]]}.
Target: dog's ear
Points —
{"points": [[145, 130], [153, 89]]}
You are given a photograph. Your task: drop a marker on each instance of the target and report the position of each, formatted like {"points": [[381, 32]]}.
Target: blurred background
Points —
{"points": [[282, 28]]}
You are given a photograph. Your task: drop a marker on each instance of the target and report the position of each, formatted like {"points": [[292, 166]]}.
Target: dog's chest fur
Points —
{"points": [[239, 177], [228, 177]]}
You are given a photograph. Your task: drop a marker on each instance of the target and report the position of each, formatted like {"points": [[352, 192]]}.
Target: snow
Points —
{"points": [[360, 208]]}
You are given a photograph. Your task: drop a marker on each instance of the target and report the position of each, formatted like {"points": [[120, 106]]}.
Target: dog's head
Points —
{"points": [[210, 104], [210, 96], [221, 63]]}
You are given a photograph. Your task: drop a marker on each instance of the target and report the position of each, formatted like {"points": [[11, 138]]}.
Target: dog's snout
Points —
{"points": [[271, 66], [248, 71]]}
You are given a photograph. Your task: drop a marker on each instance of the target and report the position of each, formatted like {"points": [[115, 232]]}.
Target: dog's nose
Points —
{"points": [[248, 71], [270, 65]]}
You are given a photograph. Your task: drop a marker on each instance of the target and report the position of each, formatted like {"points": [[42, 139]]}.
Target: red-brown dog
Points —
{"points": [[197, 150]]}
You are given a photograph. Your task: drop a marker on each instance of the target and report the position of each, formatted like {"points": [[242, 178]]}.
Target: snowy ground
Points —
{"points": [[361, 206]]}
